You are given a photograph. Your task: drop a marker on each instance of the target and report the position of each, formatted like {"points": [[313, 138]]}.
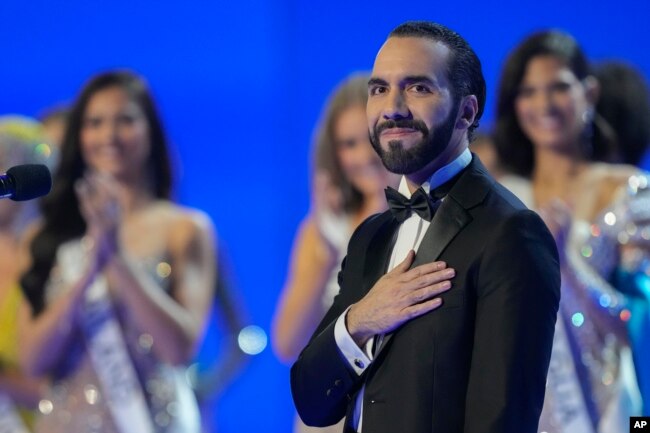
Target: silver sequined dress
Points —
{"points": [[591, 386], [75, 402]]}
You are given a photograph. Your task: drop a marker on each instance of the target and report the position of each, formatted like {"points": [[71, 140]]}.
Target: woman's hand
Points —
{"points": [[99, 203]]}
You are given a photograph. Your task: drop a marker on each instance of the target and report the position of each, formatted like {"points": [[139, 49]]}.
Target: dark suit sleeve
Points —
{"points": [[518, 292], [322, 382]]}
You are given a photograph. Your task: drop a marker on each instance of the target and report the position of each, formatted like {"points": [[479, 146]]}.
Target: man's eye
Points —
{"points": [[420, 88], [377, 90]]}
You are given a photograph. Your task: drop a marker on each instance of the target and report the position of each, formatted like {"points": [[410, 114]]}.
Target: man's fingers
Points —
{"points": [[405, 264], [419, 309], [422, 270], [420, 295], [434, 277]]}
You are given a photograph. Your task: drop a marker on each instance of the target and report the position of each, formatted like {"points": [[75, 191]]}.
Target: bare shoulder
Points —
{"points": [[173, 213], [611, 175], [308, 236], [609, 182], [309, 246], [308, 228], [183, 224], [30, 232]]}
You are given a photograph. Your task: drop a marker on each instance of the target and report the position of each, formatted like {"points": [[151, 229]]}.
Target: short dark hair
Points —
{"points": [[513, 146], [464, 69]]}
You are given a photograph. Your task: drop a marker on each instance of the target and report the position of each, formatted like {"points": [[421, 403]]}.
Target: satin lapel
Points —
{"points": [[378, 252], [447, 223]]}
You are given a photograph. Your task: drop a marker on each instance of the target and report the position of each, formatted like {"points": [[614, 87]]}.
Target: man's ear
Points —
{"points": [[467, 111]]}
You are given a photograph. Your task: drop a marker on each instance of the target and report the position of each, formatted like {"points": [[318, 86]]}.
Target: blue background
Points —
{"points": [[240, 86]]}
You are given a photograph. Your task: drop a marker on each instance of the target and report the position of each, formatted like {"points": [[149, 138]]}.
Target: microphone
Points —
{"points": [[25, 182]]}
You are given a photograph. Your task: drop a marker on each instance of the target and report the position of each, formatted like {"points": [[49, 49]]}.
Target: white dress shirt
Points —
{"points": [[409, 237]]}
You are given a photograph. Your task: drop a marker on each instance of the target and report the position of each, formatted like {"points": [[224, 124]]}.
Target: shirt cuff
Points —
{"points": [[356, 357]]}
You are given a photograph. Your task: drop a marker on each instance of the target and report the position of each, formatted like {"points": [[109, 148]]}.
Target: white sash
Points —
{"points": [[107, 348], [10, 421], [112, 363], [569, 410]]}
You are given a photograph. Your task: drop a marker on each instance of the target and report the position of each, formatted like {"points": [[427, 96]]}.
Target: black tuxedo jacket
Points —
{"points": [[478, 363]]}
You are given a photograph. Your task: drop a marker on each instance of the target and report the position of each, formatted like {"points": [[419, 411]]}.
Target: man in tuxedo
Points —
{"points": [[447, 304]]}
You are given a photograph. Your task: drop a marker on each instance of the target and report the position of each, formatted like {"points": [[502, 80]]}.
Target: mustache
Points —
{"points": [[416, 124]]}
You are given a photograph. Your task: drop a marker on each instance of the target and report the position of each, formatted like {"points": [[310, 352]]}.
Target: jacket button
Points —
{"points": [[359, 363], [328, 392], [337, 382]]}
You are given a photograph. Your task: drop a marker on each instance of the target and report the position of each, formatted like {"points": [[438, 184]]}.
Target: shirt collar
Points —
{"points": [[441, 176]]}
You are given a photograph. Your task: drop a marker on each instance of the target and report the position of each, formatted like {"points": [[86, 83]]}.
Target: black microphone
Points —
{"points": [[25, 182]]}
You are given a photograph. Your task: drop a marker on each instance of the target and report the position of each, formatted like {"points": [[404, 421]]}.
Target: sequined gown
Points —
{"points": [[591, 386], [75, 402]]}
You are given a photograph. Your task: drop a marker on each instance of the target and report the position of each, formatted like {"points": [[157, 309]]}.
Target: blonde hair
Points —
{"points": [[22, 142]]}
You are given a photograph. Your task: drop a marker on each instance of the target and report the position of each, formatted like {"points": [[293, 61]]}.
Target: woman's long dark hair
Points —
{"points": [[625, 103], [513, 146], [62, 220]]}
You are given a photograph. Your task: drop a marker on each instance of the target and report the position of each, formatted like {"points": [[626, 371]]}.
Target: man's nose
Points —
{"points": [[396, 106]]}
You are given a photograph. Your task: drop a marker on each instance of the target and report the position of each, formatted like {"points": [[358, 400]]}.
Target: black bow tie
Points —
{"points": [[420, 203]]}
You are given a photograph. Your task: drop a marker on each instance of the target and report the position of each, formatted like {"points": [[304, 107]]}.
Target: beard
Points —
{"points": [[399, 160]]}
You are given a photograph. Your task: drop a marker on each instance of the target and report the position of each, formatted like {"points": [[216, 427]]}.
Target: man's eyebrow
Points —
{"points": [[420, 79], [377, 82], [374, 81]]}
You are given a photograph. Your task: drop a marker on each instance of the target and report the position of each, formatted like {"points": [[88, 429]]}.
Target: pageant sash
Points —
{"points": [[110, 358], [10, 421], [568, 410], [106, 346]]}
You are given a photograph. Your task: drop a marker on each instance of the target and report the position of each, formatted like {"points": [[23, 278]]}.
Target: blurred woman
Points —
{"points": [[550, 137], [348, 187], [118, 278], [21, 142]]}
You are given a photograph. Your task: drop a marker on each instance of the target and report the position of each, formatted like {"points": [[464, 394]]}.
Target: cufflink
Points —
{"points": [[359, 363]]}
